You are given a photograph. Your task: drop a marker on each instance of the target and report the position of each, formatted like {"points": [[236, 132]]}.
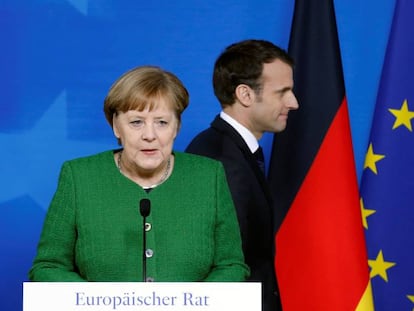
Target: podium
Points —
{"points": [[133, 296]]}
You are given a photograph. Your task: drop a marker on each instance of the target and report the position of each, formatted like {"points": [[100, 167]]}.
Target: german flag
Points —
{"points": [[321, 258]]}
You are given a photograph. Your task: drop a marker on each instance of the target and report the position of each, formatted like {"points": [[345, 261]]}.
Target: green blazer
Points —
{"points": [[93, 227]]}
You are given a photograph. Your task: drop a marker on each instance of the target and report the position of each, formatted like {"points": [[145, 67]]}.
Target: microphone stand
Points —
{"points": [[144, 256], [144, 209]]}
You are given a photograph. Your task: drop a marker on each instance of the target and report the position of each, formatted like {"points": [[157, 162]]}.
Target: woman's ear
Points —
{"points": [[244, 94], [115, 127], [177, 127]]}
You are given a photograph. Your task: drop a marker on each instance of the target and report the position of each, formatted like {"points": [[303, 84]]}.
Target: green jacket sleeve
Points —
{"points": [[229, 259], [55, 259]]}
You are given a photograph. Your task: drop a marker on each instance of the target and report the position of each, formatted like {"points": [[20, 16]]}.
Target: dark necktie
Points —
{"points": [[258, 154]]}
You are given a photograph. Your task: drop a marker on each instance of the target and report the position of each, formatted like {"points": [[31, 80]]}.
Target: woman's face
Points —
{"points": [[147, 136]]}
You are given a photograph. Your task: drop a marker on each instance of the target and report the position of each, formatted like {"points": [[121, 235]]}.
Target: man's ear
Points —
{"points": [[244, 94]]}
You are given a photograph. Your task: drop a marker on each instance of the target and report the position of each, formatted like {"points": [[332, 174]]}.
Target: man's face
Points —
{"points": [[276, 99]]}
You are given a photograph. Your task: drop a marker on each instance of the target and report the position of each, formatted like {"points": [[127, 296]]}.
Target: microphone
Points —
{"points": [[144, 209]]}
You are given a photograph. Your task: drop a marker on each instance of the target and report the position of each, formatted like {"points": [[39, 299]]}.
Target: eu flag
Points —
{"points": [[387, 185]]}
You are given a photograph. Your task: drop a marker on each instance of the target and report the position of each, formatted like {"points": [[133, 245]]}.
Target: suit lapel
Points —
{"points": [[226, 129]]}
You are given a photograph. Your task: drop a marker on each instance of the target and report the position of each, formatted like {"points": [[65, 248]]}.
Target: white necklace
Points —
{"points": [[162, 179]]}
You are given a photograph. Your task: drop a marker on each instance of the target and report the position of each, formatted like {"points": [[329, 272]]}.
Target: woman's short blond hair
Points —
{"points": [[141, 88]]}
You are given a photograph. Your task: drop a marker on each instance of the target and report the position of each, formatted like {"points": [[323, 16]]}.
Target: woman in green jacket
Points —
{"points": [[109, 205]]}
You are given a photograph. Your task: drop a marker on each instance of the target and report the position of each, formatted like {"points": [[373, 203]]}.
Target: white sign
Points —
{"points": [[131, 296]]}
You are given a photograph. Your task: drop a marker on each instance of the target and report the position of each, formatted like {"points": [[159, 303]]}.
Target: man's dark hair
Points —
{"points": [[242, 63]]}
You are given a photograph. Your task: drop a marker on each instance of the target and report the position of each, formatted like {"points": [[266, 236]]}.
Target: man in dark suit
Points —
{"points": [[253, 81]]}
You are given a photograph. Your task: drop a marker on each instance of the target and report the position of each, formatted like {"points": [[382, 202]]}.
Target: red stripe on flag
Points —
{"points": [[321, 259]]}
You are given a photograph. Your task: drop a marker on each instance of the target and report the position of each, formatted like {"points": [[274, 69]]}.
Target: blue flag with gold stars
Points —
{"points": [[387, 185]]}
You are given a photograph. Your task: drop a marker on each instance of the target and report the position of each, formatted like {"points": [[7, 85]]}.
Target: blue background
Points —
{"points": [[59, 57]]}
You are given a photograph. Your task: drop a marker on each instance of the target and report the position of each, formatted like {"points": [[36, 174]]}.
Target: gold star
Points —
{"points": [[371, 159], [403, 116], [379, 266], [411, 298], [365, 213]]}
